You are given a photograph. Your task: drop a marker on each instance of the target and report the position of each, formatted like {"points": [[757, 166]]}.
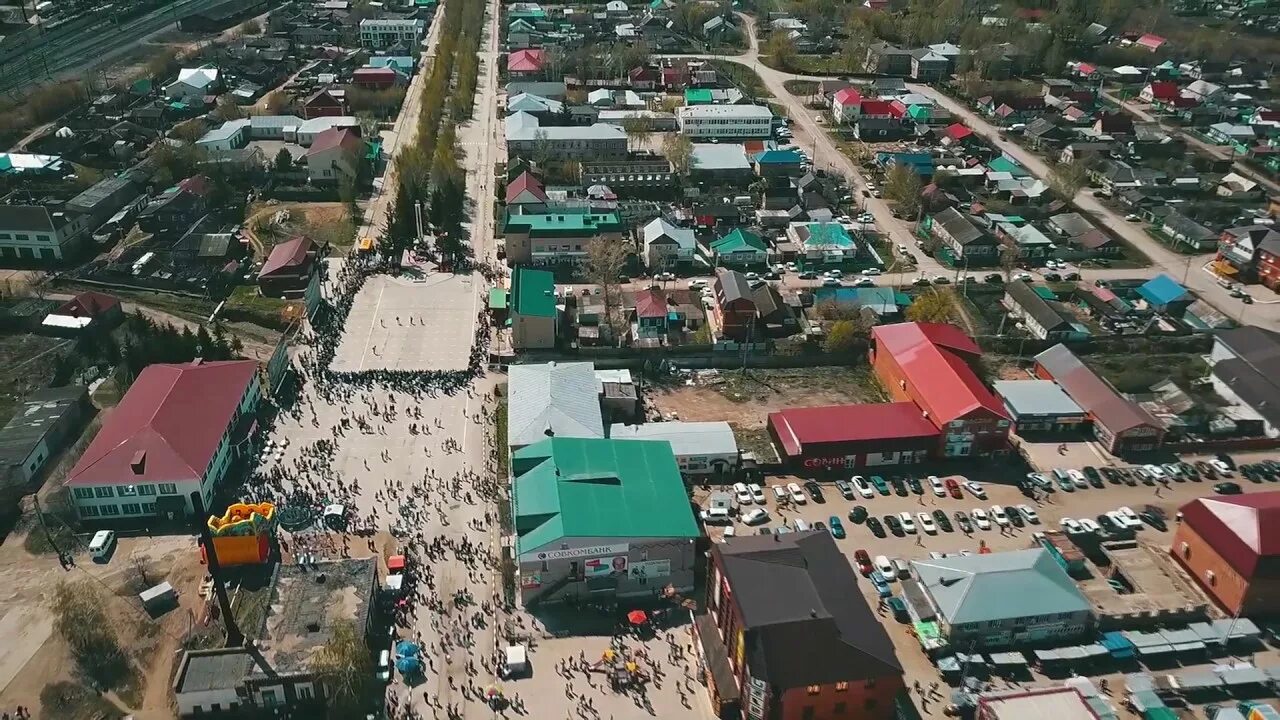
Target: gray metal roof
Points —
{"points": [[1036, 397], [553, 399], [686, 438], [35, 416], [221, 669], [998, 586], [728, 156]]}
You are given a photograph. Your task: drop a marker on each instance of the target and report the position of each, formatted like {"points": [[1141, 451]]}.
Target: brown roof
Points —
{"points": [[88, 304], [1243, 529], [1092, 393], [288, 254]]}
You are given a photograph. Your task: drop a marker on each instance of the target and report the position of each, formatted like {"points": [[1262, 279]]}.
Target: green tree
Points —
{"points": [[781, 48], [903, 186], [1067, 179], [283, 162], [933, 306], [346, 669], [678, 149], [842, 339], [605, 262]]}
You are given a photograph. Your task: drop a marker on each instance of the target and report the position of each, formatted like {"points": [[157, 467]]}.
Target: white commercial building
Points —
{"points": [[377, 34], [725, 121], [700, 447]]}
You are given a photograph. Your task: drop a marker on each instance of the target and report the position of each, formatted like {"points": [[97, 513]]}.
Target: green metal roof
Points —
{"points": [[533, 293], [598, 488], [1004, 164], [497, 299], [738, 241], [697, 96], [565, 224], [1044, 292], [828, 235]]}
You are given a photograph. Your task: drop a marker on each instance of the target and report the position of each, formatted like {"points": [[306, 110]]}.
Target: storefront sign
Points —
{"points": [[530, 582], [830, 462], [604, 567], [755, 698], [592, 551], [649, 569]]}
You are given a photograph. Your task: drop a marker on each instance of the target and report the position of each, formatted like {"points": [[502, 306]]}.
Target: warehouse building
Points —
{"points": [[1040, 407], [1231, 546], [931, 365], [842, 437], [601, 519], [701, 448], [1119, 424]]}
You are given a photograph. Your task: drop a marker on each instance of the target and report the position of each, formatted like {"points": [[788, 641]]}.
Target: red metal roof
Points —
{"points": [[1151, 41], [88, 304], [1164, 90], [877, 108], [288, 254], [1085, 68], [798, 427], [525, 61], [168, 426], [848, 96], [651, 304], [1243, 529], [934, 357], [525, 182], [957, 131]]}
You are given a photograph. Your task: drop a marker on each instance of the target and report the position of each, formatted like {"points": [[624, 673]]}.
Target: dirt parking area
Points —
{"points": [[745, 400]]}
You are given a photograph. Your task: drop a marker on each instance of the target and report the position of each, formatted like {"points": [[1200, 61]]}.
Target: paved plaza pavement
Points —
{"points": [[405, 323]]}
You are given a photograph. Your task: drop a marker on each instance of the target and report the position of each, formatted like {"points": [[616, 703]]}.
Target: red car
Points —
{"points": [[953, 488], [864, 562]]}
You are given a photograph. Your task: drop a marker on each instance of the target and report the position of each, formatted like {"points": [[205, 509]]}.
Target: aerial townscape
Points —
{"points": [[640, 359]]}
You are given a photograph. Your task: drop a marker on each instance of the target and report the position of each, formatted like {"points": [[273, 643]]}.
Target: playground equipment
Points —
{"points": [[242, 535]]}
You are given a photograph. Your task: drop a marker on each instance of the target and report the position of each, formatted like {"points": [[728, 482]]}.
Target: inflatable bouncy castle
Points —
{"points": [[242, 535]]}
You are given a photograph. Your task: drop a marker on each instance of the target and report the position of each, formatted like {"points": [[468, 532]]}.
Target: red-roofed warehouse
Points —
{"points": [[853, 436], [1231, 546], [176, 431], [929, 364]]}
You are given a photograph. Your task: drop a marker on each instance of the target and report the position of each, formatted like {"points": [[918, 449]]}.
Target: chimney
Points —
{"points": [[138, 463]]}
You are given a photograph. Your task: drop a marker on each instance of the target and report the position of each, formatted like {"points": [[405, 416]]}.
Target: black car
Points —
{"points": [[1092, 475], [1109, 525], [916, 487], [895, 525], [1249, 473], [1111, 475], [859, 515], [1226, 459], [815, 491], [1189, 471], [1227, 488], [765, 531], [1071, 276], [1052, 277], [1014, 515], [873, 524], [1153, 520], [819, 525], [944, 522], [1130, 476], [993, 278], [1266, 470], [899, 486], [1206, 470]]}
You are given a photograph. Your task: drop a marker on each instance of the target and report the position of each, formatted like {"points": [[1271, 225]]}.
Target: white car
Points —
{"points": [[1222, 468], [938, 488], [755, 516], [1070, 526], [1089, 526], [835, 273], [797, 495], [1029, 514], [865, 282], [1078, 479], [1130, 517], [871, 272], [1156, 471], [863, 487], [741, 493], [980, 519], [780, 494], [1023, 276], [903, 249], [885, 566], [998, 514], [716, 516], [665, 276], [927, 524], [976, 489], [697, 284], [908, 524], [757, 493]]}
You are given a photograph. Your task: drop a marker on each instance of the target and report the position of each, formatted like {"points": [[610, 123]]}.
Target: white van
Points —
{"points": [[104, 541], [885, 567], [800, 525], [901, 568], [384, 666]]}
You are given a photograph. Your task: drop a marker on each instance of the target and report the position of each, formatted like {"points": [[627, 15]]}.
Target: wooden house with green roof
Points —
{"points": [[740, 248], [533, 310]]}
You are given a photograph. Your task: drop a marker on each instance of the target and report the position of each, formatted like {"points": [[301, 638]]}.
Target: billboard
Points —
{"points": [[604, 567], [649, 570], [571, 553]]}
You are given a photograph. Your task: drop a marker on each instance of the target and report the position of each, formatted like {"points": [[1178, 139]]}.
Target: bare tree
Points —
{"points": [[679, 150], [605, 262], [1010, 254], [1068, 178], [343, 663], [637, 129]]}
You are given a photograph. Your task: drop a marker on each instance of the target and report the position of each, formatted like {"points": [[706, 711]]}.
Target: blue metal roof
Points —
{"points": [[1162, 290]]}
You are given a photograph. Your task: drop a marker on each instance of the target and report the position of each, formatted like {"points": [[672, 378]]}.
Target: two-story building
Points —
{"points": [[725, 121], [668, 246], [558, 234], [177, 431], [382, 33], [527, 138], [966, 242], [1250, 253], [45, 232], [1043, 318], [735, 307], [788, 635], [930, 364], [534, 309]]}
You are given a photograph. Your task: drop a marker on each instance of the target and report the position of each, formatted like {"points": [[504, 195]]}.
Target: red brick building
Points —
{"points": [[787, 635], [735, 309], [930, 364], [845, 437], [1231, 546], [322, 104]]}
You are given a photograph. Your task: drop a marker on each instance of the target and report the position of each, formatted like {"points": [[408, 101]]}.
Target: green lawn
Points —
{"points": [[742, 76]]}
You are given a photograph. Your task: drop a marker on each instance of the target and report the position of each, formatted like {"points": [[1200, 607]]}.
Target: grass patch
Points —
{"points": [[500, 436], [746, 79], [857, 383], [801, 88], [810, 65], [71, 701], [1130, 377]]}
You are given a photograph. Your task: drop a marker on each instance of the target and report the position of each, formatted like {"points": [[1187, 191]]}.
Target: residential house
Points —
{"points": [[384, 33], [1240, 137], [231, 135], [1164, 294], [176, 432], [88, 311], [551, 90], [965, 242], [928, 66], [1150, 42], [1118, 124], [846, 104], [177, 208], [557, 235], [823, 243], [776, 316], [1113, 176], [526, 137], [534, 311], [774, 163], [378, 78], [1204, 92], [1082, 236], [787, 634], [1159, 92], [1238, 188], [1044, 319], [45, 232], [643, 78], [43, 423], [288, 268], [334, 157], [643, 174], [879, 129], [526, 190], [739, 248], [1031, 244], [885, 59], [668, 246], [1250, 253], [735, 308], [194, 84], [537, 106], [526, 63], [1183, 231], [322, 103]]}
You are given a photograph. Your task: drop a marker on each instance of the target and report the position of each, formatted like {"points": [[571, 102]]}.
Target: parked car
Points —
{"points": [[863, 560], [953, 488], [815, 490], [894, 524], [1130, 517], [780, 494], [836, 527], [944, 522], [858, 514], [899, 486], [879, 484], [1077, 479], [993, 278], [845, 489], [876, 528], [1070, 526], [742, 493], [926, 523], [863, 487], [963, 522], [1154, 471], [796, 494], [1089, 526], [1221, 467], [1092, 475], [1153, 520], [999, 515], [1225, 459], [755, 516], [916, 486], [976, 489], [908, 523], [885, 567], [1207, 471], [938, 488], [1111, 475], [1029, 514], [1227, 488], [757, 493], [716, 516], [980, 519]]}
